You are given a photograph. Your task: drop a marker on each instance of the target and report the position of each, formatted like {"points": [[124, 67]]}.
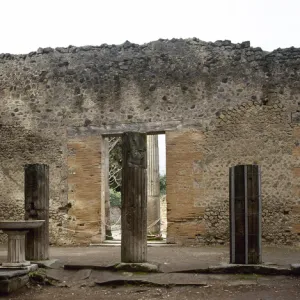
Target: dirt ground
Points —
{"points": [[274, 288], [170, 259]]}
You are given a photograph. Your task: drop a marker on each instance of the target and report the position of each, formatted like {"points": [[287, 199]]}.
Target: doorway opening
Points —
{"points": [[156, 187], [113, 187]]}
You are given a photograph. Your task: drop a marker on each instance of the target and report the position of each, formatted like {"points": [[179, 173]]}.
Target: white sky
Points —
{"points": [[27, 25], [162, 153]]}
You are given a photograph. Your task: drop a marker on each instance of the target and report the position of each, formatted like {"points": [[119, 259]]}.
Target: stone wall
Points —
{"points": [[219, 103], [18, 147], [86, 199], [198, 206]]}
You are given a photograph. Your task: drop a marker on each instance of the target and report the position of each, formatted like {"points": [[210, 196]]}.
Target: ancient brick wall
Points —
{"points": [[219, 103], [185, 199], [85, 189], [198, 179]]}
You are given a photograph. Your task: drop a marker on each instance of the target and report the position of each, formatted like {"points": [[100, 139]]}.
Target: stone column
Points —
{"points": [[37, 208], [134, 198], [108, 233], [16, 249], [153, 191], [245, 214]]}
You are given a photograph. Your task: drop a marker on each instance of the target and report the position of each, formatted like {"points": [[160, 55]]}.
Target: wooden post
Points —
{"points": [[245, 214], [153, 194], [37, 208], [134, 198]]}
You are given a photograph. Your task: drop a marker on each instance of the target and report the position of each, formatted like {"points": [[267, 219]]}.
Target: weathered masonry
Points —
{"points": [[219, 104]]}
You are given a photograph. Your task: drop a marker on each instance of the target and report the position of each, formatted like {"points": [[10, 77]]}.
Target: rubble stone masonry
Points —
{"points": [[220, 104]]}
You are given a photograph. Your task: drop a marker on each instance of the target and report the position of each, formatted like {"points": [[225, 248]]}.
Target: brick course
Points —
{"points": [[85, 193]]}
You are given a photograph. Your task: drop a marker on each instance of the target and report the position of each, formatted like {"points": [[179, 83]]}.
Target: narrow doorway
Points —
{"points": [[163, 184], [156, 187], [113, 189]]}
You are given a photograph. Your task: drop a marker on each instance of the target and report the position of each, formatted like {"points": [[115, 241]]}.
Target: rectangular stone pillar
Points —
{"points": [[134, 198], [186, 186], [37, 208], [86, 187], [245, 214]]}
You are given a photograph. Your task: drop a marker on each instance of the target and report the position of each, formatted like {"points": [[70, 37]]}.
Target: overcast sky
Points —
{"points": [[27, 25]]}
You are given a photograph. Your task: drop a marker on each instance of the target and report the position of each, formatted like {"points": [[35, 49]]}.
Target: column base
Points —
{"points": [[30, 268], [16, 265]]}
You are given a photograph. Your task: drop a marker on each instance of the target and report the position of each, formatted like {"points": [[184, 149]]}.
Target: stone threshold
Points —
{"points": [[88, 277], [112, 243], [30, 268], [262, 269], [128, 267]]}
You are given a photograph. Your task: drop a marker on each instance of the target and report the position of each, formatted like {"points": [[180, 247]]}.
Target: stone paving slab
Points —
{"points": [[8, 273], [120, 278], [71, 266], [111, 278], [50, 263], [82, 274], [12, 279], [219, 269], [61, 275], [137, 267], [154, 279], [244, 269], [10, 285]]}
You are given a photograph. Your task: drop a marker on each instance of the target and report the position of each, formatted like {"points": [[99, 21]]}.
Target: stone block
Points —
{"points": [[10, 285]]}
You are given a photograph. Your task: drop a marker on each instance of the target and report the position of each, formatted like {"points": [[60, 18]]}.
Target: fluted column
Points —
{"points": [[245, 214], [108, 234], [134, 198], [37, 208], [16, 249], [153, 191]]}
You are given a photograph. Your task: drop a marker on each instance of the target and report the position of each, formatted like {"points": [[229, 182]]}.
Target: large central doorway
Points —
{"points": [[156, 191]]}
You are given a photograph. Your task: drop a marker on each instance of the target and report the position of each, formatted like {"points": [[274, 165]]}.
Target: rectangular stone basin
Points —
{"points": [[16, 231]]}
